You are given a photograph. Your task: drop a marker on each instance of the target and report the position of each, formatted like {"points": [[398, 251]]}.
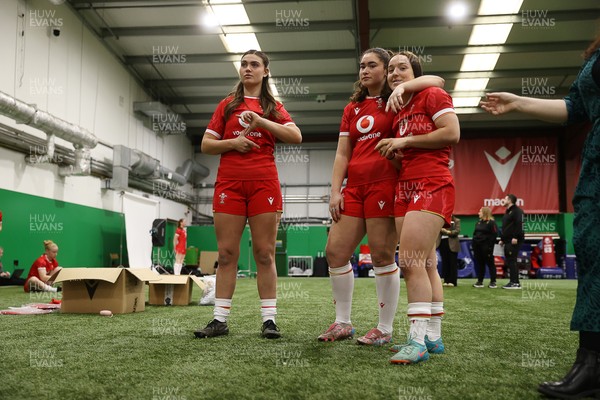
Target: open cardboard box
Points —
{"points": [[207, 262], [90, 290], [173, 290]]}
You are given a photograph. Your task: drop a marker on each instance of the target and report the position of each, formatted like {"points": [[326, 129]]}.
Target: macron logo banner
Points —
{"points": [[486, 170]]}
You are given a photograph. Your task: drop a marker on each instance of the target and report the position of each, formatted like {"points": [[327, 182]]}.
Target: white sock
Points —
{"points": [[387, 282], [418, 315], [177, 268], [434, 328], [268, 309], [342, 285], [222, 309]]}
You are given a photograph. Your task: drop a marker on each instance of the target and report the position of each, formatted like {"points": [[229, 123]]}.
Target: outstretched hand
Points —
{"points": [[499, 103]]}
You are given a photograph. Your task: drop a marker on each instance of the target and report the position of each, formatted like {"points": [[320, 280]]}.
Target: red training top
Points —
{"points": [[257, 164], [417, 117], [181, 241], [366, 123], [42, 262]]}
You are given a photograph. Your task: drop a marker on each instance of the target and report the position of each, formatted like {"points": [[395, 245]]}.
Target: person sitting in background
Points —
{"points": [[484, 239], [43, 270], [8, 278], [3, 274], [449, 246]]}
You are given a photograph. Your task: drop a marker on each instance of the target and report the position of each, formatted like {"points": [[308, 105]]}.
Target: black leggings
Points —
{"points": [[484, 255], [449, 263]]}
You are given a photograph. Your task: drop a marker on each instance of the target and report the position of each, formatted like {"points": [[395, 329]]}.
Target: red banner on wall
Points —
{"points": [[486, 170]]}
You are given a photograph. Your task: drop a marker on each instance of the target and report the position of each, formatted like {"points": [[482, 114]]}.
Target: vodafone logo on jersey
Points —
{"points": [[245, 125], [242, 122], [365, 123]]}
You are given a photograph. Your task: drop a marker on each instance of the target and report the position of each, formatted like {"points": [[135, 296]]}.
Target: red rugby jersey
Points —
{"points": [[257, 164], [366, 123], [417, 117]]}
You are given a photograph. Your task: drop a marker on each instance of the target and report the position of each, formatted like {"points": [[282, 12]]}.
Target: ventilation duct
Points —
{"points": [[81, 139], [126, 161], [190, 166], [163, 120], [23, 142]]}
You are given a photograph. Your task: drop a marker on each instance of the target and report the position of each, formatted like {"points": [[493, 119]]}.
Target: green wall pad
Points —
{"points": [[86, 236]]}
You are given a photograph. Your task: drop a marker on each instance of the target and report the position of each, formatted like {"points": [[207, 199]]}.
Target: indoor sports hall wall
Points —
{"points": [[302, 240], [534, 224], [85, 235], [75, 78], [310, 240]]}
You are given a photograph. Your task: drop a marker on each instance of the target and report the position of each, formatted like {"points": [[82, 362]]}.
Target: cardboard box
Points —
{"points": [[173, 290], [207, 261], [90, 290]]}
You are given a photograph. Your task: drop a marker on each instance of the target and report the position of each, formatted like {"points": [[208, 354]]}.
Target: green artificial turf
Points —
{"points": [[500, 345]]}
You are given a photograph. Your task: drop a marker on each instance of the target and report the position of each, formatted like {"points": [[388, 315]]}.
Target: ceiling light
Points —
{"points": [[240, 42], [489, 34], [492, 7], [479, 62], [457, 11], [233, 14], [209, 19], [466, 101], [471, 85]]}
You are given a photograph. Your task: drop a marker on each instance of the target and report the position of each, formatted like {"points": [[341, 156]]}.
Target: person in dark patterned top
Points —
{"points": [[581, 104]]}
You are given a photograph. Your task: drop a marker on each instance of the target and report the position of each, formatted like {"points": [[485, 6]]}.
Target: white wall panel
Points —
{"points": [[75, 78]]}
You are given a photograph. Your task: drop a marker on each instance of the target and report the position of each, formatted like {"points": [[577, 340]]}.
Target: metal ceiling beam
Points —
{"points": [[509, 73], [436, 22], [307, 80], [231, 57], [192, 100], [362, 22], [204, 82], [194, 30], [537, 47], [337, 25], [107, 4], [214, 100], [340, 54]]}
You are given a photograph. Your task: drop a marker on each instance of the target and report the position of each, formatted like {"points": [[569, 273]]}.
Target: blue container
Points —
{"points": [[549, 273], [571, 267]]}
